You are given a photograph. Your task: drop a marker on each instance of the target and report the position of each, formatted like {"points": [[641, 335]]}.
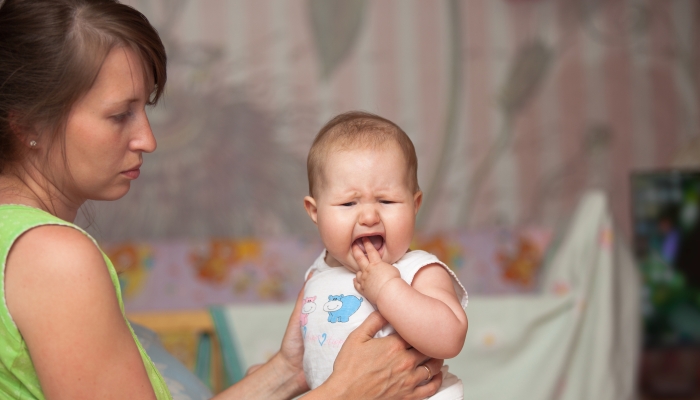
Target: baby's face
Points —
{"points": [[365, 193]]}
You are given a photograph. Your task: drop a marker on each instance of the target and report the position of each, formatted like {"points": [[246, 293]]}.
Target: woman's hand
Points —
{"points": [[282, 377], [366, 368], [385, 368], [292, 349]]}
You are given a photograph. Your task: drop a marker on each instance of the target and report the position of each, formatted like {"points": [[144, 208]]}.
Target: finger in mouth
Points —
{"points": [[376, 240]]}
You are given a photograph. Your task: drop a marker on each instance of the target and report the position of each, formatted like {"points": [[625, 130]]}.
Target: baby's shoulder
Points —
{"points": [[417, 258]]}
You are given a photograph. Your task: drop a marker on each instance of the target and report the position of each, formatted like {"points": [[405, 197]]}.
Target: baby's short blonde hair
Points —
{"points": [[358, 129]]}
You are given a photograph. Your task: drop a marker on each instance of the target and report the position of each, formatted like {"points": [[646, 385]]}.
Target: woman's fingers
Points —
{"points": [[369, 327], [421, 376], [434, 365], [294, 322], [292, 347], [386, 368], [429, 388]]}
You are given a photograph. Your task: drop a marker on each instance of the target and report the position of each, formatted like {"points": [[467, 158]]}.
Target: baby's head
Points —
{"points": [[363, 182]]}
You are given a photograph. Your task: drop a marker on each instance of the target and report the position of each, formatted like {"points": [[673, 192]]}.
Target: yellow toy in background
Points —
{"points": [[522, 265]]}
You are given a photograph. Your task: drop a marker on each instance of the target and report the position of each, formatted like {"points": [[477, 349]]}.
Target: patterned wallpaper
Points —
{"points": [[515, 106], [185, 274]]}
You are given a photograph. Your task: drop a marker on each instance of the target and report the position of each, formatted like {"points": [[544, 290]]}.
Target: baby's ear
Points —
{"points": [[417, 200], [310, 206]]}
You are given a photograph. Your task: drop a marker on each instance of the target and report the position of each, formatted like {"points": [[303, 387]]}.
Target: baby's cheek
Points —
{"points": [[399, 242]]}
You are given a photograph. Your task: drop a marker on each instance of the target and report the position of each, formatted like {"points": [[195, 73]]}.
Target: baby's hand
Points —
{"points": [[373, 273]]}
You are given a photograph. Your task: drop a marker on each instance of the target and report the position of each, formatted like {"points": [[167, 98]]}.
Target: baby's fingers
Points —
{"points": [[357, 285], [372, 253], [360, 257]]}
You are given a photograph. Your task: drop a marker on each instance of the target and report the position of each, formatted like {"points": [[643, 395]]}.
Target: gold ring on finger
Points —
{"points": [[430, 374]]}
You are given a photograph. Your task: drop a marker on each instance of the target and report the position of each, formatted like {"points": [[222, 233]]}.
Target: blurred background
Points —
{"points": [[515, 106], [517, 109]]}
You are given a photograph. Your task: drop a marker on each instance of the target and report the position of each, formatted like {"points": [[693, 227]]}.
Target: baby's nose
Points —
{"points": [[369, 216]]}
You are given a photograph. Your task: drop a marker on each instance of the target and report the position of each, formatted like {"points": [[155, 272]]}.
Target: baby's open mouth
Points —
{"points": [[377, 242]]}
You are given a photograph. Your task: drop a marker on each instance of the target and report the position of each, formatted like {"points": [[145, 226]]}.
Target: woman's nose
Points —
{"points": [[143, 139]]}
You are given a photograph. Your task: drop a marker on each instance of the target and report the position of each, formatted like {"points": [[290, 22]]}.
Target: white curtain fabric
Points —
{"points": [[578, 339], [515, 107]]}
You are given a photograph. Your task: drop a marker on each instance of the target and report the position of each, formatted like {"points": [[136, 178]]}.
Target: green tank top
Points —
{"points": [[18, 379]]}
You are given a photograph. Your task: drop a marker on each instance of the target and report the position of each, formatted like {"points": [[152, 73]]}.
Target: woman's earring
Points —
{"points": [[32, 143]]}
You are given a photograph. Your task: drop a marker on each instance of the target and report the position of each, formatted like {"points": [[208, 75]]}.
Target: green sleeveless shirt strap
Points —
{"points": [[18, 379]]}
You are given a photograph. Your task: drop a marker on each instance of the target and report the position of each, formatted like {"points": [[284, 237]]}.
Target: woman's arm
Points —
{"points": [[366, 368], [282, 377], [427, 314], [61, 297]]}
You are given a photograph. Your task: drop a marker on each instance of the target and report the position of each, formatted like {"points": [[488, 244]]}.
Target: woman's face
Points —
{"points": [[107, 132]]}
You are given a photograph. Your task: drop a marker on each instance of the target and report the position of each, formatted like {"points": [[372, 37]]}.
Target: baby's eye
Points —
{"points": [[387, 202], [348, 204]]}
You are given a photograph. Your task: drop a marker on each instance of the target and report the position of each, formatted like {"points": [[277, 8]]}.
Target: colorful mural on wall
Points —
{"points": [[134, 263], [196, 274]]}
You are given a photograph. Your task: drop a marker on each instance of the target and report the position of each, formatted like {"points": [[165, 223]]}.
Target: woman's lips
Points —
{"points": [[132, 173]]}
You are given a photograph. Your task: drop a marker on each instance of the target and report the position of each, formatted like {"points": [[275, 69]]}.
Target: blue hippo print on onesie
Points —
{"points": [[341, 307]]}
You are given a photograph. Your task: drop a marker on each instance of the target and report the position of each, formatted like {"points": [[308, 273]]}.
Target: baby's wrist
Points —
{"points": [[388, 290]]}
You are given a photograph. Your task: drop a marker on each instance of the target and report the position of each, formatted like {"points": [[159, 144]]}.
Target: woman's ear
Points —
{"points": [[311, 209], [417, 200], [16, 127], [27, 136]]}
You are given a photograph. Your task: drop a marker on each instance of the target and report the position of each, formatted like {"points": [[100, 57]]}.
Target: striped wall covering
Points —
{"points": [[515, 106]]}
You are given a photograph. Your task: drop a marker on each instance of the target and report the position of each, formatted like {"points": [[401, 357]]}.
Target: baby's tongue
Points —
{"points": [[376, 240]]}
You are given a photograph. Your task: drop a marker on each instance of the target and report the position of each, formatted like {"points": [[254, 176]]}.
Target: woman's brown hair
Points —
{"points": [[50, 54]]}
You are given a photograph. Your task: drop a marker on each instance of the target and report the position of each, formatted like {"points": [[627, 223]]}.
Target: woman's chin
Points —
{"points": [[113, 193]]}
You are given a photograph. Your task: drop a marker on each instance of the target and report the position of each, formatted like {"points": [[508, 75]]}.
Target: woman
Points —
{"points": [[75, 78]]}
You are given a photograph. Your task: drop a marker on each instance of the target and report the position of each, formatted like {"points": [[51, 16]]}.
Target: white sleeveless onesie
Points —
{"points": [[333, 308]]}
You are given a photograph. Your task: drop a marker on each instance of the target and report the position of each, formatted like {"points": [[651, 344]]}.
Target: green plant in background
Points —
{"points": [[664, 288], [672, 299]]}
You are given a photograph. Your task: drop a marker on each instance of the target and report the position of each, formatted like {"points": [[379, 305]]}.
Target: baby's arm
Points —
{"points": [[427, 314]]}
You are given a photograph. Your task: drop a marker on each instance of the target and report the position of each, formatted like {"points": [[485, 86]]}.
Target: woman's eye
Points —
{"points": [[121, 117]]}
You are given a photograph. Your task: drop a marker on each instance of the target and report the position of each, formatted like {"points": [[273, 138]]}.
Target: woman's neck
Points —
{"points": [[33, 190]]}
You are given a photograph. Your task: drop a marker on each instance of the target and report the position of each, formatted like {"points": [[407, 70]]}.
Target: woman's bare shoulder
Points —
{"points": [[61, 297], [54, 261], [57, 245]]}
